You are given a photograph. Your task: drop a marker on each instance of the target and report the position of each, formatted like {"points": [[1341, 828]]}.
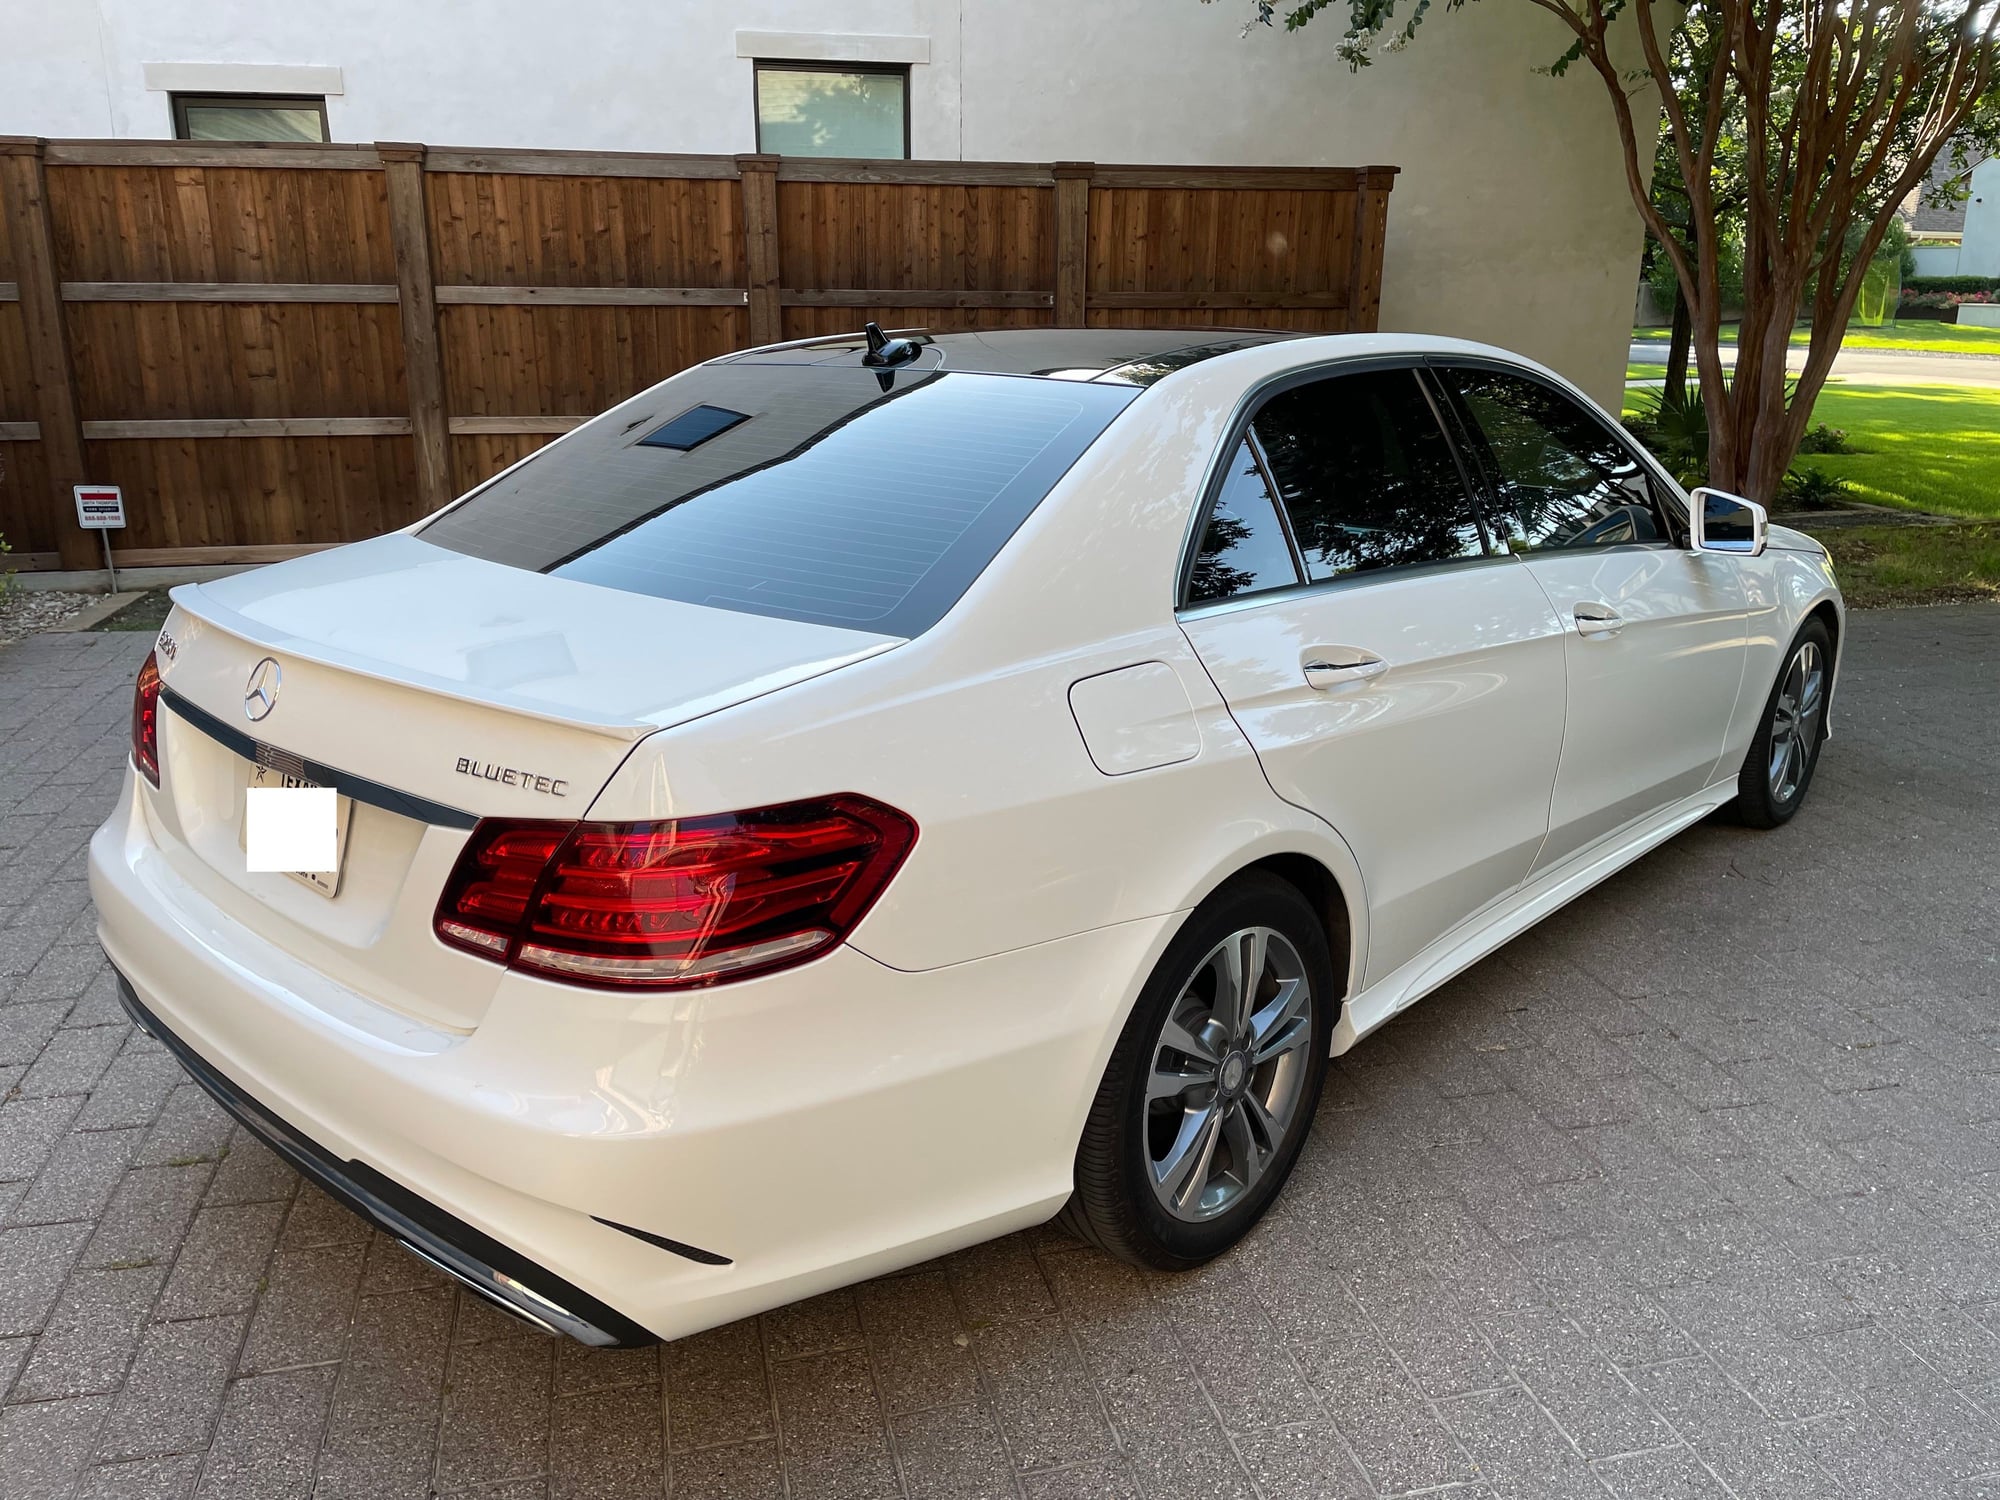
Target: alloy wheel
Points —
{"points": [[1228, 1070], [1795, 721]]}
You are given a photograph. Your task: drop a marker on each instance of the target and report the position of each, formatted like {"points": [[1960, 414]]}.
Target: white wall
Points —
{"points": [[1979, 251], [1935, 260], [1511, 221]]}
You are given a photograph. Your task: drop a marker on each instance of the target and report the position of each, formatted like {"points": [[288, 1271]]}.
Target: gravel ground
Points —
{"points": [[24, 612]]}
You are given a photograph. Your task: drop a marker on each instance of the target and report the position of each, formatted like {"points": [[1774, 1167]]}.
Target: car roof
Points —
{"points": [[1123, 356]]}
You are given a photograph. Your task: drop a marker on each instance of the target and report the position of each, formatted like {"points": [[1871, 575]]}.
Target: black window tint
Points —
{"points": [[828, 498], [1558, 477], [1244, 548], [1366, 475]]}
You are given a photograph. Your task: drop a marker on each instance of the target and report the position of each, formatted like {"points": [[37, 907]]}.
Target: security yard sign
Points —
{"points": [[101, 508]]}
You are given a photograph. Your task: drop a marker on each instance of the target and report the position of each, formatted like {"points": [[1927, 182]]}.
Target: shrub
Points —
{"points": [[1825, 439], [1811, 488], [1676, 433], [6, 574], [1942, 305], [1959, 284]]}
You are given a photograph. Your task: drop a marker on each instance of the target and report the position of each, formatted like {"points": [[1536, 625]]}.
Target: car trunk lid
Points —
{"points": [[429, 689]]}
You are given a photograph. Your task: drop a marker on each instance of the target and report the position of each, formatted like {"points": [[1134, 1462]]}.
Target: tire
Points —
{"points": [[1216, 1128], [1769, 789]]}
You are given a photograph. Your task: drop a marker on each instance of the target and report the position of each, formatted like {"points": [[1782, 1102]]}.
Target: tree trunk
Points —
{"points": [[1676, 388]]}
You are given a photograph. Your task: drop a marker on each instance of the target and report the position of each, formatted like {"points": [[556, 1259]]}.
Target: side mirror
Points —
{"points": [[1721, 522]]}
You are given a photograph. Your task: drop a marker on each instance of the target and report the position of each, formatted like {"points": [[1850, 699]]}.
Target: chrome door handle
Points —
{"points": [[1330, 669], [1598, 619]]}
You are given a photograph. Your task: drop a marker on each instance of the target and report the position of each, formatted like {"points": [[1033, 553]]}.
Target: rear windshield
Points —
{"points": [[798, 491]]}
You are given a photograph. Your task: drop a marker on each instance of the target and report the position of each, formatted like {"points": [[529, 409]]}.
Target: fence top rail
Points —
{"points": [[133, 153], [536, 162], [542, 163]]}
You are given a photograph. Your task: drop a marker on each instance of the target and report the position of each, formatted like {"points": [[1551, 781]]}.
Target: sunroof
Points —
{"points": [[693, 427]]}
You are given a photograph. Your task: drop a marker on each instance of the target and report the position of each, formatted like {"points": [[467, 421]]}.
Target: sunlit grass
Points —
{"points": [[1882, 566], [1933, 448], [1914, 336]]}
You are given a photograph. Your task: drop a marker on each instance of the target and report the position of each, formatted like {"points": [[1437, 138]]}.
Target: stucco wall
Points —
{"points": [[1511, 221], [1979, 252]]}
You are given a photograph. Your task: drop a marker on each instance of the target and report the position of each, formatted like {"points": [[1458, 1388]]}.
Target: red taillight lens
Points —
{"points": [[146, 719], [669, 905]]}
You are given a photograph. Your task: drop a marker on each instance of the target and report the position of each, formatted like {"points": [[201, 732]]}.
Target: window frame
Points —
{"points": [[1300, 577], [788, 65], [178, 104], [1239, 427], [1668, 499]]}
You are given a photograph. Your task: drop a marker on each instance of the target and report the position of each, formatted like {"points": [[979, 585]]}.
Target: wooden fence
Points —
{"points": [[273, 348]]}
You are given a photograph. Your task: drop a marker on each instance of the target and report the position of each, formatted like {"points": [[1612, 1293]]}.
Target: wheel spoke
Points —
{"points": [[1183, 1173], [1283, 1024], [1251, 1149], [1171, 1083], [1247, 978], [1178, 1037]]}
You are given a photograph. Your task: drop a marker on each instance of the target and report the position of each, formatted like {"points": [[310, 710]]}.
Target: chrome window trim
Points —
{"points": [[1373, 578], [1233, 431]]}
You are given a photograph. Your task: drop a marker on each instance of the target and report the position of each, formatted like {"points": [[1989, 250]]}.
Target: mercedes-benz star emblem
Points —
{"points": [[260, 694]]}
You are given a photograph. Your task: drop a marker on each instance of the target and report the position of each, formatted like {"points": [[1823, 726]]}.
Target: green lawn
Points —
{"points": [[1932, 447], [1918, 336], [1883, 566]]}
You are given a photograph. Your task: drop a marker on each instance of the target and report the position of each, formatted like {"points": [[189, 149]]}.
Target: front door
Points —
{"points": [[1397, 673], [1654, 631]]}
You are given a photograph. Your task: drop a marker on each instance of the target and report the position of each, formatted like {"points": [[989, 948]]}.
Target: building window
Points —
{"points": [[249, 117], [833, 109]]}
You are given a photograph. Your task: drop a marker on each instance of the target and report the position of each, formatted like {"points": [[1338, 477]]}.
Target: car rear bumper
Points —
{"points": [[624, 1166], [480, 1262]]}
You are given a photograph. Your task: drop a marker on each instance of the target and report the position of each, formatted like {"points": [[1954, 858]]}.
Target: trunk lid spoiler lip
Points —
{"points": [[212, 612], [347, 783]]}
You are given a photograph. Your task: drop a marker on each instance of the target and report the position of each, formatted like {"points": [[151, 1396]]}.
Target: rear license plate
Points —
{"points": [[326, 882]]}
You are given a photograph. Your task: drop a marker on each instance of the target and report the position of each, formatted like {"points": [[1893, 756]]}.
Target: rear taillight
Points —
{"points": [[146, 719], [669, 905]]}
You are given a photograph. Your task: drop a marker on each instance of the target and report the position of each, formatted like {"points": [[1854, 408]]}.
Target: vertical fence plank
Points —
{"points": [[760, 246], [423, 362], [1371, 228], [24, 199], [1072, 242]]}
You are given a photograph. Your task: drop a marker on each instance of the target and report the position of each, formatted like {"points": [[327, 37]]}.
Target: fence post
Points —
{"points": [[1072, 242], [760, 246], [416, 294], [1371, 228], [24, 197]]}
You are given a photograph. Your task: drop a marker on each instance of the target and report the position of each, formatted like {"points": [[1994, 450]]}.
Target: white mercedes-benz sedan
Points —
{"points": [[864, 796]]}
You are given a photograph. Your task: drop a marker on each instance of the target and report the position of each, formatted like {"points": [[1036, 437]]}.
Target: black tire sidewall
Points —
{"points": [[1253, 902]]}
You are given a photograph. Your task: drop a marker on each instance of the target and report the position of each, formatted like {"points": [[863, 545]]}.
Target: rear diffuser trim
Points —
{"points": [[482, 1264]]}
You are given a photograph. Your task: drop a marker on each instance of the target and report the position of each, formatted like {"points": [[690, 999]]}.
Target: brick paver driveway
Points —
{"points": [[1693, 1191]]}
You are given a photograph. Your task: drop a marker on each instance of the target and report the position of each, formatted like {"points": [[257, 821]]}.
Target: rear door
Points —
{"points": [[1398, 674], [1654, 631]]}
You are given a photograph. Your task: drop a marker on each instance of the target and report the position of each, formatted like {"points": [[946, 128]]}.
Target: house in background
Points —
{"points": [[1511, 220], [1961, 239]]}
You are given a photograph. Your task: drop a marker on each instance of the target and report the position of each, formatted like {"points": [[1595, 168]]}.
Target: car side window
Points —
{"points": [[1558, 477], [1243, 550], [1367, 475]]}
